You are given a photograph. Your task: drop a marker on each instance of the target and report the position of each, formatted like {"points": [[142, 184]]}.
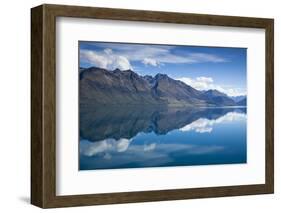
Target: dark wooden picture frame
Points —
{"points": [[43, 105]]}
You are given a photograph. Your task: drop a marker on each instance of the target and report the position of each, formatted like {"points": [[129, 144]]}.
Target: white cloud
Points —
{"points": [[106, 59], [154, 55], [205, 79], [206, 83], [204, 125], [122, 144], [120, 62], [88, 148], [157, 57], [108, 51], [200, 83], [93, 58], [201, 125], [200, 150], [205, 57], [149, 147], [150, 61]]}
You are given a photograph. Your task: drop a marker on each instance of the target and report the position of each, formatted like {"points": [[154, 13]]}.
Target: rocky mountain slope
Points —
{"points": [[100, 86]]}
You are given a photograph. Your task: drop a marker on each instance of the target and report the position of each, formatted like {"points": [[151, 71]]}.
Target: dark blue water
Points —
{"points": [[112, 138]]}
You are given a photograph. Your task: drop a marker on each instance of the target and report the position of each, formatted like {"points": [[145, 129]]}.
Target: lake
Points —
{"points": [[138, 137]]}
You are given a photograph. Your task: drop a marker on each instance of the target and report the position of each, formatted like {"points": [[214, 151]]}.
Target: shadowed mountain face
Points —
{"points": [[243, 102], [238, 98], [217, 98], [114, 88], [97, 124], [99, 86]]}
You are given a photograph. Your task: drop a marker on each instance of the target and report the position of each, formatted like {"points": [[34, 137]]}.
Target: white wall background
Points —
{"points": [[15, 105]]}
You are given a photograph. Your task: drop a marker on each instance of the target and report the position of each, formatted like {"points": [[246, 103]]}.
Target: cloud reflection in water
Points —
{"points": [[203, 125]]}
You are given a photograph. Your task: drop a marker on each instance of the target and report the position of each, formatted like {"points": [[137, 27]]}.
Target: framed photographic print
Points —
{"points": [[137, 106]]}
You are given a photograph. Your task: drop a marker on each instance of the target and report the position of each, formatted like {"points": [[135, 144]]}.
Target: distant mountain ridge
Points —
{"points": [[238, 98], [101, 86], [242, 102]]}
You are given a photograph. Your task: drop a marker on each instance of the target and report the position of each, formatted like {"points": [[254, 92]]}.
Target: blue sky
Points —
{"points": [[221, 68]]}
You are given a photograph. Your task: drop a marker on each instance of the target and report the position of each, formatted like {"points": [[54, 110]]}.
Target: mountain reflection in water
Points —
{"points": [[136, 137]]}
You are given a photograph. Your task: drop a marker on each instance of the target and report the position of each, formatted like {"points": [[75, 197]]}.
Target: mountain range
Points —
{"points": [[127, 88], [238, 98]]}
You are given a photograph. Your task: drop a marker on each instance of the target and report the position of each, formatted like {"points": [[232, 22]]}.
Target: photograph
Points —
{"points": [[153, 105], [170, 105]]}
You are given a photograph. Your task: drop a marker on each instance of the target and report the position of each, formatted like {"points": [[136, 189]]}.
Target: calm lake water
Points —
{"points": [[112, 138]]}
